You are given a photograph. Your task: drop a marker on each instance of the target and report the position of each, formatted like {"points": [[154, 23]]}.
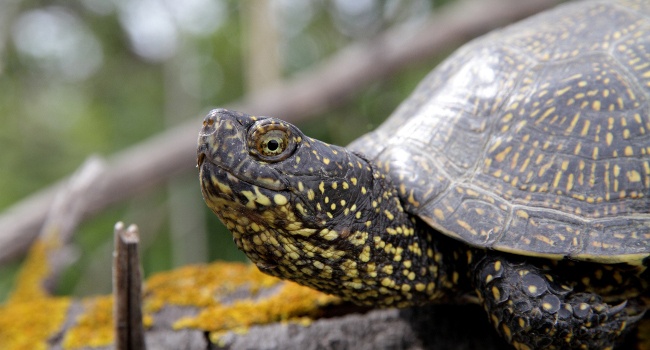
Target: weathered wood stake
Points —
{"points": [[127, 289]]}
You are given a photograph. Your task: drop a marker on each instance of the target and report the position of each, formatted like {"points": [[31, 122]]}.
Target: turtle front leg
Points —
{"points": [[532, 309]]}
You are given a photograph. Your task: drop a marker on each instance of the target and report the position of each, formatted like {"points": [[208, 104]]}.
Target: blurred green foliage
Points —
{"points": [[86, 77]]}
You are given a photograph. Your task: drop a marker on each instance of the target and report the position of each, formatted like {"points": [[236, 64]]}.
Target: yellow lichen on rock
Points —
{"points": [[31, 316], [206, 287], [29, 284], [291, 301], [229, 297], [29, 324], [203, 285], [94, 327]]}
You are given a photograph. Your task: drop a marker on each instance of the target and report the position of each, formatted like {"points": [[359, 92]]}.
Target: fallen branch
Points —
{"points": [[333, 82]]}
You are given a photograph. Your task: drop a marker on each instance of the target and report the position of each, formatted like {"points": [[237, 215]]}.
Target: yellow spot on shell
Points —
{"points": [[502, 155], [633, 176]]}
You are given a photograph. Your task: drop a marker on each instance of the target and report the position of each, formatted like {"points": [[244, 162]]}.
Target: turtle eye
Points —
{"points": [[272, 143], [270, 140]]}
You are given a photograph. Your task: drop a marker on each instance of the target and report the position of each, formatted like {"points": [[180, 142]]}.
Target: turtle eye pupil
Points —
{"points": [[273, 145]]}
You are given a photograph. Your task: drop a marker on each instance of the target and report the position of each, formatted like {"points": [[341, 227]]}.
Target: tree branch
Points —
{"points": [[329, 84]]}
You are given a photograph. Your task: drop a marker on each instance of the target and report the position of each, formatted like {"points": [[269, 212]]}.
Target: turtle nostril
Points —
{"points": [[209, 125]]}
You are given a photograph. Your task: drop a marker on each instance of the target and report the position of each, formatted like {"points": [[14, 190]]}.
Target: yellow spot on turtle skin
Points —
{"points": [[321, 187], [506, 332], [365, 254], [496, 293], [328, 234], [387, 282], [389, 215], [311, 195], [326, 161], [335, 185], [280, 199], [420, 287], [363, 190], [532, 289], [609, 138], [387, 269], [353, 181]]}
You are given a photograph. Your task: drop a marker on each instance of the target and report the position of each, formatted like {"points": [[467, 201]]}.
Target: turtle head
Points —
{"points": [[307, 211]]}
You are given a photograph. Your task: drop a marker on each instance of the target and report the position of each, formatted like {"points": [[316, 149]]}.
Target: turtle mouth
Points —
{"points": [[204, 160]]}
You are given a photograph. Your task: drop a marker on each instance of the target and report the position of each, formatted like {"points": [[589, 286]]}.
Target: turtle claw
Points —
{"points": [[616, 309]]}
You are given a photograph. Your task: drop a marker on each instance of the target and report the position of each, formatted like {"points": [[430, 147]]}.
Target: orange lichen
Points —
{"points": [[30, 316], [94, 327], [35, 269], [29, 324], [205, 286], [290, 302]]}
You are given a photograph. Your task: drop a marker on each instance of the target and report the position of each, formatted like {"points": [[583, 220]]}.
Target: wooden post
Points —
{"points": [[127, 289]]}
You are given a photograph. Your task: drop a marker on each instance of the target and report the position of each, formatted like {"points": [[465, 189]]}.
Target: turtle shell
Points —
{"points": [[534, 139]]}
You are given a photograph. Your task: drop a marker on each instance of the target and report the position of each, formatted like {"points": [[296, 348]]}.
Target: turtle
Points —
{"points": [[517, 175]]}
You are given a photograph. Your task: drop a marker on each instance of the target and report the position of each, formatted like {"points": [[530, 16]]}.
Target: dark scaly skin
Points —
{"points": [[324, 225], [336, 224]]}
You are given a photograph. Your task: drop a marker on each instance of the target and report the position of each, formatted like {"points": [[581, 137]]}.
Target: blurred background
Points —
{"points": [[94, 77], [87, 77]]}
